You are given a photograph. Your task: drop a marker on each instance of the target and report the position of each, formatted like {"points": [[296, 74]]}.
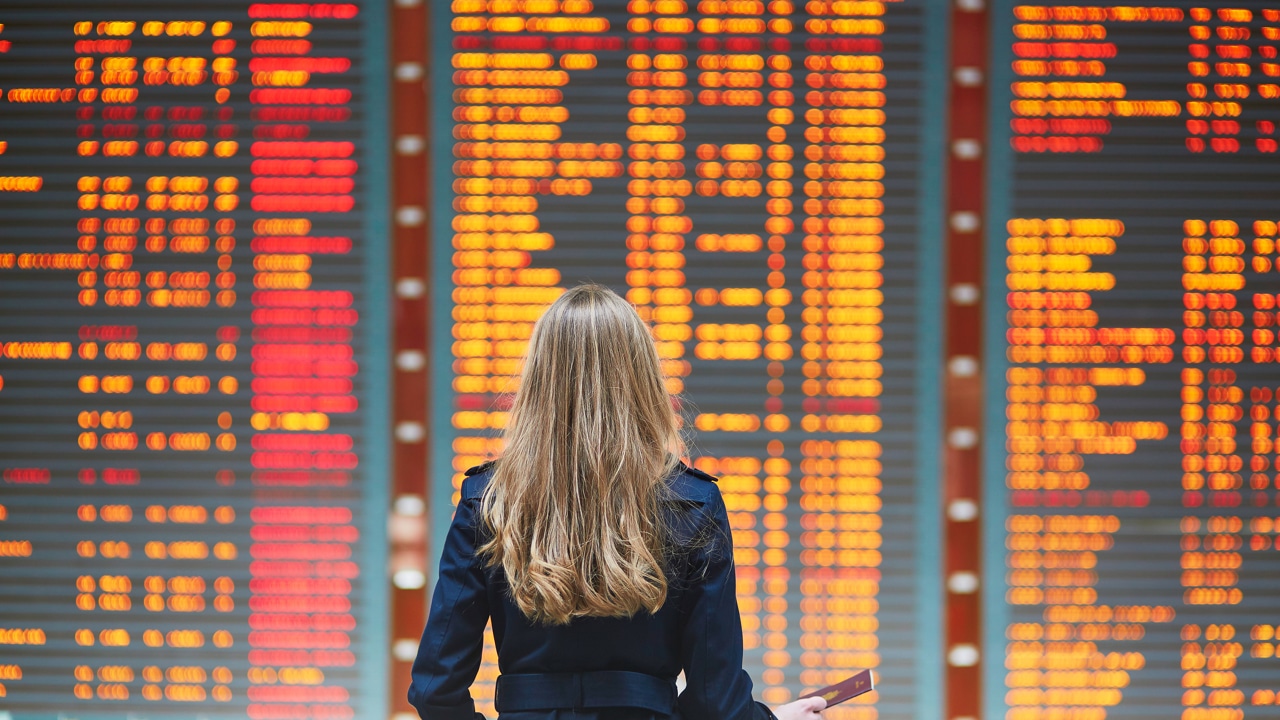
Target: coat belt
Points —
{"points": [[605, 688]]}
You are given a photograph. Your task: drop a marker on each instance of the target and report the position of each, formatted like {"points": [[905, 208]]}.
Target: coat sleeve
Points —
{"points": [[716, 686], [449, 654]]}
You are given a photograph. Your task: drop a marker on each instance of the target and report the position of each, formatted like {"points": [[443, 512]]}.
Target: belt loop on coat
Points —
{"points": [[576, 691]]}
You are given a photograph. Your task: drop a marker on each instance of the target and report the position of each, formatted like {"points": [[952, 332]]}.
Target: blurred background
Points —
{"points": [[971, 306]]}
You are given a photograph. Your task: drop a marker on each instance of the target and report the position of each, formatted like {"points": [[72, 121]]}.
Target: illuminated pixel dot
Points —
{"points": [[962, 510], [962, 583]]}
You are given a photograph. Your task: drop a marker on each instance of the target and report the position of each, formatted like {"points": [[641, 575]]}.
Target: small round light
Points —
{"points": [[408, 71], [962, 510], [965, 221], [962, 583], [963, 366], [410, 432], [410, 360], [410, 505], [962, 438], [964, 293], [963, 655], [409, 579], [404, 649], [410, 144], [967, 149], [410, 288], [410, 216], [968, 76]]}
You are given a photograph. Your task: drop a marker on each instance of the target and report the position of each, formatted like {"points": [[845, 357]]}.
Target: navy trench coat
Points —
{"points": [[593, 668]]}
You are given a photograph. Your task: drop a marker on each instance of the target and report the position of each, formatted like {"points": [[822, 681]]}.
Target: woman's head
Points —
{"points": [[573, 508]]}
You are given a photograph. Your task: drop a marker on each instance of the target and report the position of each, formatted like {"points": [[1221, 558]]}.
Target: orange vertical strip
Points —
{"points": [[962, 391], [409, 388]]}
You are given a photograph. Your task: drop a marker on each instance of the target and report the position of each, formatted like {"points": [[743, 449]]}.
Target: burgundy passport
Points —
{"points": [[845, 689]]}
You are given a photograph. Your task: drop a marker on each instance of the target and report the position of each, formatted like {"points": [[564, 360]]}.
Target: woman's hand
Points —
{"points": [[806, 709]]}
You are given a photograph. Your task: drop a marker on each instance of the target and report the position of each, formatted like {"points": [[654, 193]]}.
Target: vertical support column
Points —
{"points": [[962, 394], [410, 261]]}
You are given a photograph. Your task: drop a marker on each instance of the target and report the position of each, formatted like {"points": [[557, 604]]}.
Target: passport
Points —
{"points": [[845, 689]]}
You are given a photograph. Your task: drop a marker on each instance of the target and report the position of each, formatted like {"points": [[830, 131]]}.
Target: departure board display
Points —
{"points": [[192, 509], [756, 178], [1132, 487]]}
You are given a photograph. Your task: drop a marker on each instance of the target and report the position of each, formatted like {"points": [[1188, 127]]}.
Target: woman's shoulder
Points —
{"points": [[476, 479], [693, 485]]}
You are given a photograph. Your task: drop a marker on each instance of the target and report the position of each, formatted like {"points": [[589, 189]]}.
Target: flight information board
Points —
{"points": [[761, 181], [1131, 466], [191, 270]]}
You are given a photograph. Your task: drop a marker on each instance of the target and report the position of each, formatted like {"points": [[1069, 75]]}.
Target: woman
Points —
{"points": [[605, 564]]}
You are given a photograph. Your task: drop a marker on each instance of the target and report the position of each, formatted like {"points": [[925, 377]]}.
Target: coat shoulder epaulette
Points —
{"points": [[482, 467], [698, 473], [477, 478]]}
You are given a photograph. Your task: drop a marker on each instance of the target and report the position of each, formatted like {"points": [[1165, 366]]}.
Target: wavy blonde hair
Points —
{"points": [[574, 505]]}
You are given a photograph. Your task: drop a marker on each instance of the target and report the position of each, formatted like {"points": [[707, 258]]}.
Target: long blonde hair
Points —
{"points": [[574, 505]]}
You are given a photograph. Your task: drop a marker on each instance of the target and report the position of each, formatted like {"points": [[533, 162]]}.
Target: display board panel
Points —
{"points": [[192, 401], [1131, 478], [761, 181]]}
